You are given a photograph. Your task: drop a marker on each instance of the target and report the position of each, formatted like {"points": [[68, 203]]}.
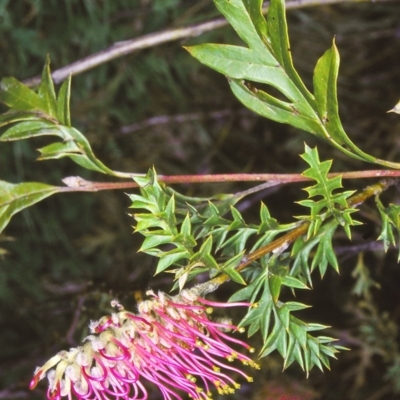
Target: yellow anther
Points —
{"points": [[252, 349], [241, 329], [249, 379], [209, 310], [191, 378]]}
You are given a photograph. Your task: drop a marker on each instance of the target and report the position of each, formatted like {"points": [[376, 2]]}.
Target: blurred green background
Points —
{"points": [[68, 256]]}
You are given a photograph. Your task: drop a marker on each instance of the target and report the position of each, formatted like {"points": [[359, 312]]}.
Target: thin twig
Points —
{"points": [[75, 320], [181, 118], [358, 248], [126, 47], [78, 184]]}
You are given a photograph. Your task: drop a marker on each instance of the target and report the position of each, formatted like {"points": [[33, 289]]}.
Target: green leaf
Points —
{"points": [[204, 255], [295, 306], [241, 20], [63, 103], [38, 114], [170, 257], [267, 59], [272, 108], [19, 97], [74, 145], [153, 240], [325, 253], [46, 91], [236, 243], [16, 197], [329, 203], [28, 129], [250, 292], [279, 39], [362, 276], [325, 91], [292, 282], [238, 221], [11, 117], [229, 268], [186, 228], [390, 223]]}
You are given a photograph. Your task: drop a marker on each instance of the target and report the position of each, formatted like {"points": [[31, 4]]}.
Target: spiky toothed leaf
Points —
{"points": [[325, 254], [390, 222], [146, 221], [292, 282], [171, 257], [205, 257], [280, 330], [295, 344], [295, 306], [229, 268], [304, 264], [172, 220], [363, 280], [300, 254], [328, 203], [237, 243], [267, 222], [251, 291], [154, 240], [234, 275]]}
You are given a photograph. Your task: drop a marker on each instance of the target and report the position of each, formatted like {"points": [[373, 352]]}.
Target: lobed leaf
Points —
{"points": [[267, 59]]}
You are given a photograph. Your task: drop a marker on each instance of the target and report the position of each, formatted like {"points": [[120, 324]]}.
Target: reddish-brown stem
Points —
{"points": [[77, 184]]}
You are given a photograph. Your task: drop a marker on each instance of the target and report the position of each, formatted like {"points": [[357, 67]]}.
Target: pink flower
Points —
{"points": [[171, 342]]}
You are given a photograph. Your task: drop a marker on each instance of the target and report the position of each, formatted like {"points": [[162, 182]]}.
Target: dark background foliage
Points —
{"points": [[69, 255]]}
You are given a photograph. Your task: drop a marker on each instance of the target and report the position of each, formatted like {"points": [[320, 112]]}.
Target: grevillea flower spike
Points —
{"points": [[171, 343]]}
